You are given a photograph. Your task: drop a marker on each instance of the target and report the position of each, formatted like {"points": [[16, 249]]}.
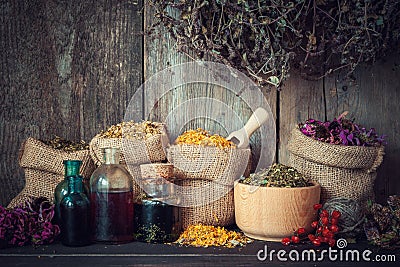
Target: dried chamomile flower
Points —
{"points": [[134, 130]]}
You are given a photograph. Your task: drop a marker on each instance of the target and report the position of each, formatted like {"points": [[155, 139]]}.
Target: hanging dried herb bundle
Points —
{"points": [[266, 38], [277, 175]]}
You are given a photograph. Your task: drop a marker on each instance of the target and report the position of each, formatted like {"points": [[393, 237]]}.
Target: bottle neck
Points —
{"points": [[111, 156], [75, 184], [72, 167]]}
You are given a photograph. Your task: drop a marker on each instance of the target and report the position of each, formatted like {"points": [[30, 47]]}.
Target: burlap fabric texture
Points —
{"points": [[44, 168], [37, 184], [132, 151], [213, 205], [208, 163], [343, 171]]}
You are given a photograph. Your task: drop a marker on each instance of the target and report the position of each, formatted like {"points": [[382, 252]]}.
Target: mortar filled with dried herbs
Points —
{"points": [[274, 202]]}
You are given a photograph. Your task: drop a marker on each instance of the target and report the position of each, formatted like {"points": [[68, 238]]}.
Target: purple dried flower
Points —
{"points": [[28, 224], [343, 136], [341, 131]]}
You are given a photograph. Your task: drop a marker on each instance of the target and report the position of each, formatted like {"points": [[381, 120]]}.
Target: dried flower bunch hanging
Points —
{"points": [[264, 39], [341, 131]]}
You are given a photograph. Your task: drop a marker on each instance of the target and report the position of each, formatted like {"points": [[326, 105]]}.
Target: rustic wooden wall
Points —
{"points": [[70, 68], [373, 100]]}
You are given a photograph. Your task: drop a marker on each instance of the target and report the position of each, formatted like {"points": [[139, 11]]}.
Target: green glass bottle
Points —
{"points": [[71, 169], [75, 214]]}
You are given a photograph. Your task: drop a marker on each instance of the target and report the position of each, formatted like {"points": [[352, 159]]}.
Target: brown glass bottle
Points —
{"points": [[111, 197]]}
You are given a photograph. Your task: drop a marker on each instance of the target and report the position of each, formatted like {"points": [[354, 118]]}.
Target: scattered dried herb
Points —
{"points": [[277, 175], [66, 145], [150, 234], [382, 226], [207, 235], [341, 131], [133, 130], [266, 38], [203, 138]]}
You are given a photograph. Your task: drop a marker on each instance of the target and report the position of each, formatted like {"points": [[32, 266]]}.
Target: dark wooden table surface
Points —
{"points": [[144, 254]]}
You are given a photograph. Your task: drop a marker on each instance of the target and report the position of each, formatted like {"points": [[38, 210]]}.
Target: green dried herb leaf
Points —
{"points": [[277, 175]]}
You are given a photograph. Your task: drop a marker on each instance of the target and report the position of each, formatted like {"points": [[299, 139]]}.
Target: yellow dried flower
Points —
{"points": [[200, 235], [202, 137]]}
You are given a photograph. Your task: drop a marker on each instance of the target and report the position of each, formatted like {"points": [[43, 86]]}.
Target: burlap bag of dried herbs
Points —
{"points": [[343, 171], [44, 168], [145, 142], [206, 202], [209, 169], [139, 143], [222, 165]]}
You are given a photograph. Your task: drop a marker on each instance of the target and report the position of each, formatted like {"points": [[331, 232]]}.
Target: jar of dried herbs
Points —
{"points": [[156, 221]]}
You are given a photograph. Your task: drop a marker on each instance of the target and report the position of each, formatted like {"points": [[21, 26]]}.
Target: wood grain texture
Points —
{"points": [[68, 68], [161, 53], [272, 213], [299, 100]]}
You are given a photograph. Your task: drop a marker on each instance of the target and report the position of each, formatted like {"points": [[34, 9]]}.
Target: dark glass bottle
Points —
{"points": [[156, 221], [75, 214], [71, 169], [111, 197]]}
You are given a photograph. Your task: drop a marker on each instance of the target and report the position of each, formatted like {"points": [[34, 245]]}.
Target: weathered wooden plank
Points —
{"points": [[68, 68], [373, 101], [107, 63], [299, 100], [213, 114], [28, 79]]}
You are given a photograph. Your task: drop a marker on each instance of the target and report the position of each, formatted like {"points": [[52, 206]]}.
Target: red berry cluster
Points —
{"points": [[295, 238], [325, 229]]}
